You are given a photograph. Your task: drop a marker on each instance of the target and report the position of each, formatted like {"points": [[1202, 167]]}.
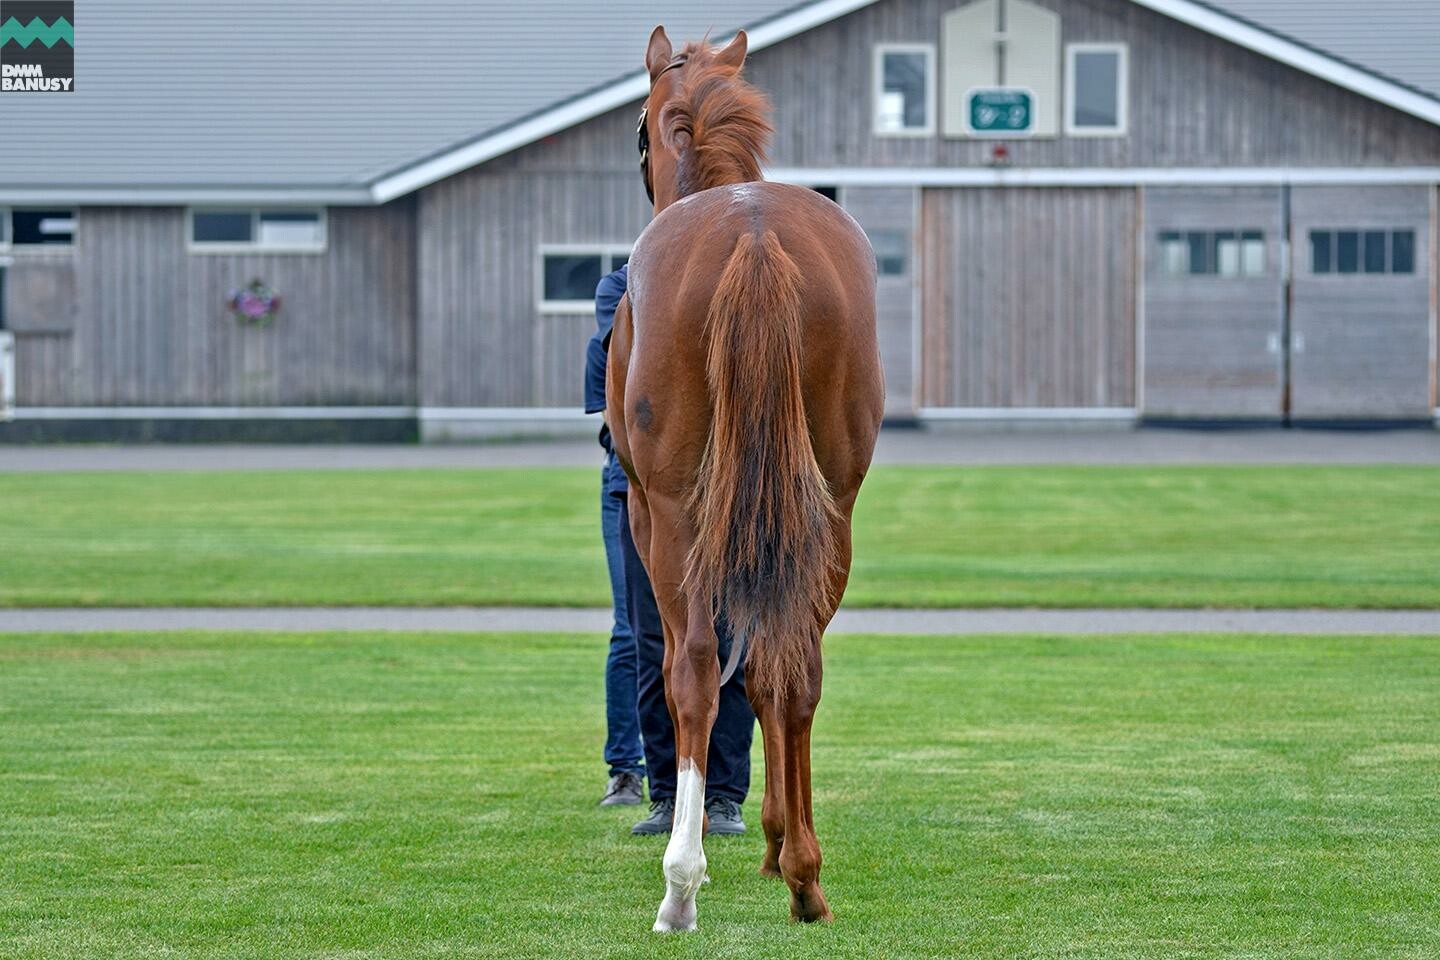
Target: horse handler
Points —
{"points": [[728, 779]]}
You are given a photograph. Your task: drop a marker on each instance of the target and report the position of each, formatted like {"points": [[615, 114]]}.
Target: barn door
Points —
{"points": [[1214, 303], [1360, 327], [1028, 298]]}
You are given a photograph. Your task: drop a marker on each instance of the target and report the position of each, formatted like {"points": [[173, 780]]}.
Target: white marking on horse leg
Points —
{"points": [[684, 856]]}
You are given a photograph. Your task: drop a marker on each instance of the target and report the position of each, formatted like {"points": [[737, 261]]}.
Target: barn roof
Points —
{"points": [[364, 100]]}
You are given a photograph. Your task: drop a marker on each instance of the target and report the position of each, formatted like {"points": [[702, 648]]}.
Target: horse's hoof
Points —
{"points": [[810, 907], [674, 916]]}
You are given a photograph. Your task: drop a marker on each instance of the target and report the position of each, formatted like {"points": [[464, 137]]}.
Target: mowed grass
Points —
{"points": [[994, 536], [433, 796]]}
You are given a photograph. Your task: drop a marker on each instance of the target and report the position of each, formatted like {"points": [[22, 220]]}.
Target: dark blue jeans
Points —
{"points": [[623, 752], [727, 772]]}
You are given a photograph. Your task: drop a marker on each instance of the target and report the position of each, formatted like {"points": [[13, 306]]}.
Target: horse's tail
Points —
{"points": [[765, 545]]}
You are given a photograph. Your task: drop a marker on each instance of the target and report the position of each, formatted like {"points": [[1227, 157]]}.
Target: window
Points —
{"points": [[1362, 251], [34, 227], [829, 193], [1097, 89], [569, 275], [237, 230], [904, 90], [892, 248], [1212, 253]]}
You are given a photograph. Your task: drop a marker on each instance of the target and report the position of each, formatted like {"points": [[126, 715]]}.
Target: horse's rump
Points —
{"points": [[765, 545]]}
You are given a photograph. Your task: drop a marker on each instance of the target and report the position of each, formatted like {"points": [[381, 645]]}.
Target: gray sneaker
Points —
{"points": [[623, 790], [661, 819], [724, 816]]}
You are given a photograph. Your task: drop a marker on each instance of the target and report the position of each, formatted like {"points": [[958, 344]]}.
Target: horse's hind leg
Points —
{"points": [[800, 852], [772, 809], [692, 683]]}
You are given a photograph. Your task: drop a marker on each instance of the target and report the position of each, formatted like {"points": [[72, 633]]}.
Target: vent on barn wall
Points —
{"points": [[1000, 44]]}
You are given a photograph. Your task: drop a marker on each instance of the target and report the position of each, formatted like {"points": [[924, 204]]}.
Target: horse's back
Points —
{"points": [[676, 269]]}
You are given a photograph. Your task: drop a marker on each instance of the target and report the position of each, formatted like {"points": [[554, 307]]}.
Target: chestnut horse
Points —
{"points": [[745, 398]]}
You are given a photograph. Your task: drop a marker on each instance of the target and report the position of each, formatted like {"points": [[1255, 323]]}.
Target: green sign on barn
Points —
{"points": [[1001, 110]]}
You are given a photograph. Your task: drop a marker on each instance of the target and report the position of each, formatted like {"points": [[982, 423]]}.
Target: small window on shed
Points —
{"points": [[1096, 85], [904, 90], [1372, 252], [569, 276], [295, 230], [892, 249], [51, 228], [829, 193], [1234, 254]]}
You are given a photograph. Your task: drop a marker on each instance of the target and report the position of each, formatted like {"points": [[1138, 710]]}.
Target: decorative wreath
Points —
{"points": [[254, 303]]}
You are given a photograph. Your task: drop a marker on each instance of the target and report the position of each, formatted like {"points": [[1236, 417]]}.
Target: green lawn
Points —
{"points": [[418, 796], [1044, 536]]}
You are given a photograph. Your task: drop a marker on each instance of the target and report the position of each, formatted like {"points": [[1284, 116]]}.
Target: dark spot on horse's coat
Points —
{"points": [[644, 415]]}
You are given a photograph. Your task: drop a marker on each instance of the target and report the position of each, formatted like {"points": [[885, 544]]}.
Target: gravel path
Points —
{"points": [[556, 620]]}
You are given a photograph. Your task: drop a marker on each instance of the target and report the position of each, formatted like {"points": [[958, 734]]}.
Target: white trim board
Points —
{"points": [[1026, 413], [182, 196], [500, 414], [214, 413], [1103, 176]]}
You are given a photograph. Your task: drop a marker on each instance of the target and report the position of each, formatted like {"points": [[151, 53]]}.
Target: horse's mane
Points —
{"points": [[716, 124]]}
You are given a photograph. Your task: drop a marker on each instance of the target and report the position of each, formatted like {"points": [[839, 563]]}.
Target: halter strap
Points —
{"points": [[642, 133]]}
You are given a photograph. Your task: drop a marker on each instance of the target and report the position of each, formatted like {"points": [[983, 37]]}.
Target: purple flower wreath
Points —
{"points": [[254, 303]]}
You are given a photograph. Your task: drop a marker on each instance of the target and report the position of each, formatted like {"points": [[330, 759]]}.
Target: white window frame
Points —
{"points": [[1122, 89], [877, 88], [255, 246], [606, 251], [7, 238]]}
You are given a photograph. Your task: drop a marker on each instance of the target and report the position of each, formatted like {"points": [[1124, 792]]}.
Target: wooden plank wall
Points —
{"points": [[1029, 297], [1195, 100], [144, 321], [1361, 342], [1208, 339], [892, 209], [483, 341]]}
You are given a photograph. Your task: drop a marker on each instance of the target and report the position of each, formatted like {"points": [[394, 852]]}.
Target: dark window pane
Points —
{"points": [[1402, 251], [2, 298], [829, 193], [222, 226], [1200, 264], [1347, 251], [572, 276], [1375, 251], [1322, 253], [618, 260], [891, 247], [902, 92], [1097, 89], [42, 227]]}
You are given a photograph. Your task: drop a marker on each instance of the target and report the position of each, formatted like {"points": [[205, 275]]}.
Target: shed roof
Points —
{"points": [[354, 100]]}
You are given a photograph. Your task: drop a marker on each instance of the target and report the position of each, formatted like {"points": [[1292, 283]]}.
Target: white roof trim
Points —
{"points": [[181, 196], [1300, 57], [1100, 176], [591, 105], [781, 28]]}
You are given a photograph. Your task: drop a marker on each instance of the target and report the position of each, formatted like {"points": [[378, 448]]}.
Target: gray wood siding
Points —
{"points": [[1361, 343], [892, 209], [1195, 100], [483, 341], [1212, 344], [1029, 298], [149, 326]]}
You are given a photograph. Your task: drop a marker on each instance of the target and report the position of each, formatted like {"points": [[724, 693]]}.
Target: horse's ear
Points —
{"points": [[733, 56], [658, 54]]}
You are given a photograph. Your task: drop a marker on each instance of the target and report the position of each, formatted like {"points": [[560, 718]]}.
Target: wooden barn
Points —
{"points": [[376, 225]]}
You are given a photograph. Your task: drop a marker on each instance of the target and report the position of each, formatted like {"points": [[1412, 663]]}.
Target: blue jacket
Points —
{"points": [[607, 297]]}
